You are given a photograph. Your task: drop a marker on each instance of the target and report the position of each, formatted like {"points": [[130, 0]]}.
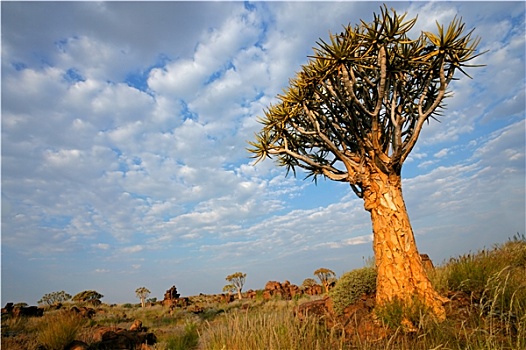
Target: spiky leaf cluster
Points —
{"points": [[237, 280], [363, 98]]}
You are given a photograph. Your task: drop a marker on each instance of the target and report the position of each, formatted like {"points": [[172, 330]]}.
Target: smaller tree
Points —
{"points": [[325, 276], [54, 298], [309, 282], [229, 288], [237, 280], [142, 293], [90, 296]]}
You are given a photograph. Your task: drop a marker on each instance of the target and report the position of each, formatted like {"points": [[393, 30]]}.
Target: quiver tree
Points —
{"points": [[325, 276], [354, 113], [237, 280], [229, 288], [142, 293]]}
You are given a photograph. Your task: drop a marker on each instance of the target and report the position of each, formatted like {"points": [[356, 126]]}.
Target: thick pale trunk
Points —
{"points": [[401, 274]]}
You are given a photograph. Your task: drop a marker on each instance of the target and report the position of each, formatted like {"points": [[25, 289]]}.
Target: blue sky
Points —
{"points": [[124, 136]]}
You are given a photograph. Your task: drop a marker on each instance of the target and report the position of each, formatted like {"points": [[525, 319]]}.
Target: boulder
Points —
{"points": [[227, 298], [313, 290], [171, 297], [27, 311], [249, 294], [77, 345], [284, 290], [113, 338], [7, 309], [358, 319], [321, 308], [426, 261], [137, 326], [83, 311]]}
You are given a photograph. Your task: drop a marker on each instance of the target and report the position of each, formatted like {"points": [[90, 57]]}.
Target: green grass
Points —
{"points": [[59, 329]]}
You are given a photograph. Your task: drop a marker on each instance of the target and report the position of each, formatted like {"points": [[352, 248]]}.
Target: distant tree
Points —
{"points": [[54, 298], [90, 296], [21, 304], [237, 280], [142, 293], [354, 113], [309, 282], [151, 300], [229, 288], [325, 276]]}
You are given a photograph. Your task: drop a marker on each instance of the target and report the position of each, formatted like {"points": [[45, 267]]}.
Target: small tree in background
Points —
{"points": [[309, 282], [237, 280], [54, 298], [229, 288], [142, 293], [88, 296], [325, 276]]}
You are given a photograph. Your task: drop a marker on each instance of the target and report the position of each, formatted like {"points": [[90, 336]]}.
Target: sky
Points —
{"points": [[125, 128]]}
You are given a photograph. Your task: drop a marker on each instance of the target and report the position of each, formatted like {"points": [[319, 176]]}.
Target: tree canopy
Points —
{"points": [[363, 98], [325, 276], [238, 281], [54, 298], [87, 296], [142, 293]]}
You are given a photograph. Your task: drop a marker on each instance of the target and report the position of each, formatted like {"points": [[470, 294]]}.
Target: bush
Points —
{"points": [[351, 286], [58, 330]]}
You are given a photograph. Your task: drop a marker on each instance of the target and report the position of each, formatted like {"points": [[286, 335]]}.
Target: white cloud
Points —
{"points": [[132, 249], [442, 153], [103, 246]]}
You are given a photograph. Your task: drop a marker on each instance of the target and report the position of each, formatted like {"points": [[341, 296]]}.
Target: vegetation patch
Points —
{"points": [[351, 286]]}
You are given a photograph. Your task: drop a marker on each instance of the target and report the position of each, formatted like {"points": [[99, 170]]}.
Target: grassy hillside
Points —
{"points": [[487, 310]]}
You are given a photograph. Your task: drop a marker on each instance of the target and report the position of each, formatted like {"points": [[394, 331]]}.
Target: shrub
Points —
{"points": [[54, 298], [58, 330], [351, 286]]}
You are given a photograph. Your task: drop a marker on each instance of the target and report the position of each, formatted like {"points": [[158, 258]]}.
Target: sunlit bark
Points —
{"points": [[401, 274]]}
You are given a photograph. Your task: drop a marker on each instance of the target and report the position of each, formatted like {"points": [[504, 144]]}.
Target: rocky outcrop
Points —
{"points": [[426, 261], [22, 311], [137, 337], [249, 294], [171, 297], [226, 298], [284, 290], [83, 311], [357, 319], [315, 289], [137, 326]]}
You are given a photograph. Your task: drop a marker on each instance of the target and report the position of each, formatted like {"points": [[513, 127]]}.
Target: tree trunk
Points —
{"points": [[401, 274], [239, 294]]}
